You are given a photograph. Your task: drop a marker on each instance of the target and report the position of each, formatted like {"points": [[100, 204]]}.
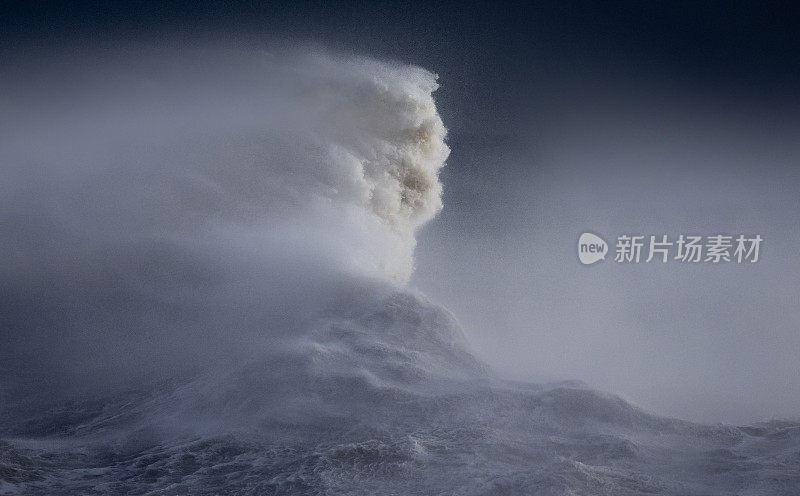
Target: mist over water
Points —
{"points": [[202, 201], [709, 343], [204, 290]]}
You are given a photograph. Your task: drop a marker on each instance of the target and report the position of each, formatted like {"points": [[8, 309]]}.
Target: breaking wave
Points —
{"points": [[204, 293]]}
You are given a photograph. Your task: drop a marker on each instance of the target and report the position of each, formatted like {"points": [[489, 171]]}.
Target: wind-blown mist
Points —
{"points": [[193, 202], [203, 291], [708, 343]]}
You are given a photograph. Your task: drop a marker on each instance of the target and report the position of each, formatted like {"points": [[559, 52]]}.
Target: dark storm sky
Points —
{"points": [[503, 65], [500, 62]]}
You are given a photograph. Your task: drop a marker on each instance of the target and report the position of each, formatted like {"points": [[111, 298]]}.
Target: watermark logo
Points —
{"points": [[591, 248], [715, 249]]}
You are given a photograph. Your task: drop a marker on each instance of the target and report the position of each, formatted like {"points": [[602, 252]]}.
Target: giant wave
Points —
{"points": [[205, 293]]}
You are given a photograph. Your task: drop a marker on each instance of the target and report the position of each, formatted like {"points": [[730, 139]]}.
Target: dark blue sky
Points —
{"points": [[498, 61], [727, 42]]}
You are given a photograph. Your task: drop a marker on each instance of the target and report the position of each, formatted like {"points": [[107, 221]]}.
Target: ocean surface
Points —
{"points": [[386, 401]]}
